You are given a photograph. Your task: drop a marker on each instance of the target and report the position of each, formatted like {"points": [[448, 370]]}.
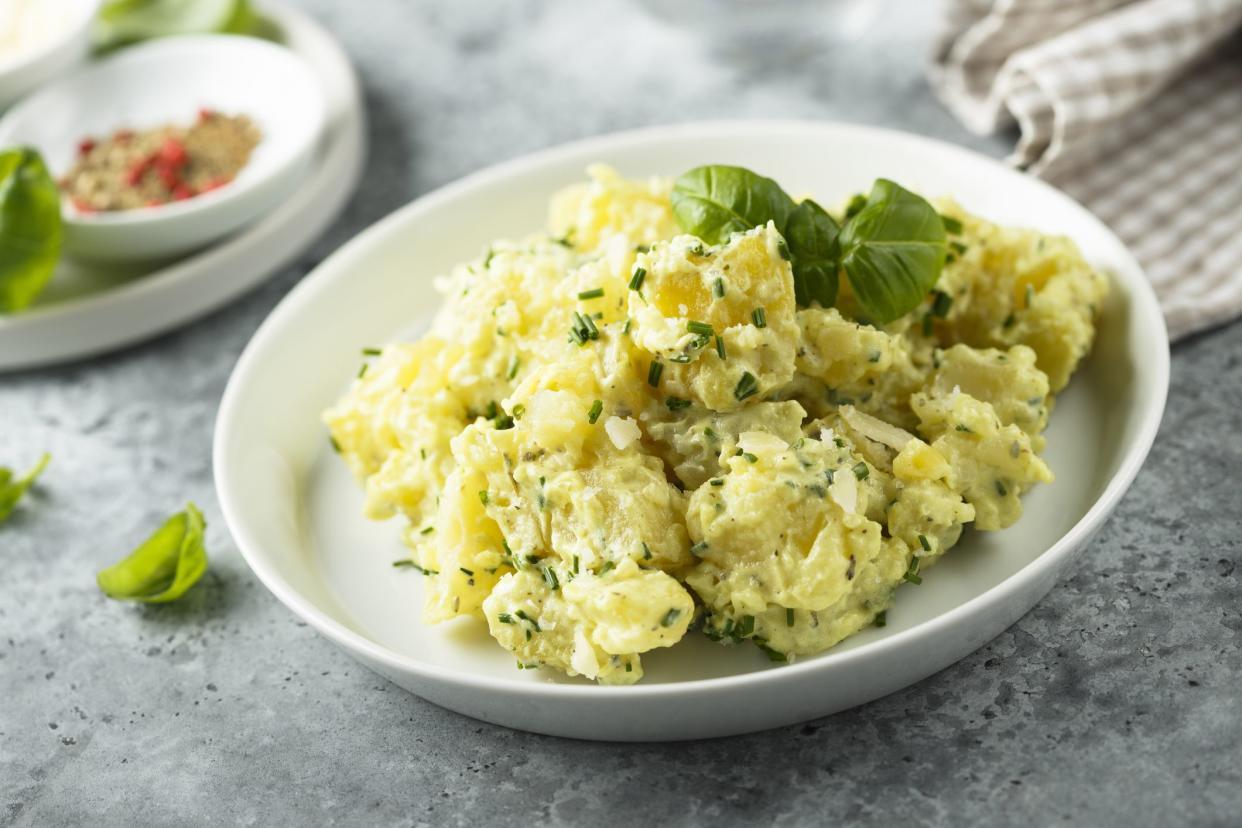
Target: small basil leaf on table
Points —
{"points": [[812, 238], [12, 490], [715, 201], [30, 228], [166, 564], [893, 251]]}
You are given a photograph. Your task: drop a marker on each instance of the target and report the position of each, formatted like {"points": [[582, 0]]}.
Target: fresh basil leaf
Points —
{"points": [[715, 201], [812, 238], [894, 250], [12, 490], [30, 228], [166, 565]]}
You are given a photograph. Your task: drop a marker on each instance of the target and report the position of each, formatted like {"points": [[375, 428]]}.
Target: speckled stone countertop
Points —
{"points": [[1116, 701]]}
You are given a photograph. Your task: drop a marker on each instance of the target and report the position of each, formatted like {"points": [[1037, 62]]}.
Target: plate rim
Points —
{"points": [[342, 145], [1141, 296]]}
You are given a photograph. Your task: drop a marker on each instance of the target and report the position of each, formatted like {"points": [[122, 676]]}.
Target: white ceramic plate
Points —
{"points": [[295, 512], [168, 81], [89, 310]]}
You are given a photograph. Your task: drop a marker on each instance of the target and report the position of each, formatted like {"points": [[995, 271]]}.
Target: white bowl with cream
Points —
{"points": [[40, 40]]}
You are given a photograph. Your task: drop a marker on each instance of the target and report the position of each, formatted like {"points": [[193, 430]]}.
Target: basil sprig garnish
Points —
{"points": [[166, 564], [892, 248], [30, 228]]}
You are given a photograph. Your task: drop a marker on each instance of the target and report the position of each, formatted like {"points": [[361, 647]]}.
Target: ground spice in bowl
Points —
{"points": [[146, 168]]}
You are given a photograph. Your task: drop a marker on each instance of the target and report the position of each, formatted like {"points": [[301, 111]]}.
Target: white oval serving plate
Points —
{"points": [[168, 81], [295, 512], [87, 310]]}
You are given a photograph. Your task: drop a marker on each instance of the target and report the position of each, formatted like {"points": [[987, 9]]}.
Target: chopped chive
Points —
{"points": [[592, 331], [646, 551], [504, 618], [828, 475], [427, 531], [514, 364], [653, 373], [522, 614], [718, 288], [1000, 489], [636, 281], [710, 433], [407, 563], [625, 329], [959, 247], [717, 481], [746, 626], [912, 573], [923, 542], [861, 471], [335, 445], [372, 351], [941, 304], [469, 572], [670, 617], [597, 408], [676, 403], [747, 386], [362, 370], [951, 225], [1030, 294], [593, 293], [1009, 320], [518, 411], [789, 617], [575, 564], [720, 348], [503, 423], [881, 618], [549, 577], [760, 317], [963, 427], [608, 566], [773, 655], [700, 328], [750, 457], [483, 497], [699, 548]]}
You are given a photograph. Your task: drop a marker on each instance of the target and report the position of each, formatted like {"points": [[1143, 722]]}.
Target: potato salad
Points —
{"points": [[698, 406]]}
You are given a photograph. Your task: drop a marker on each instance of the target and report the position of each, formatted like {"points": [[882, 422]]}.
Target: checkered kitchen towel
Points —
{"points": [[1133, 107]]}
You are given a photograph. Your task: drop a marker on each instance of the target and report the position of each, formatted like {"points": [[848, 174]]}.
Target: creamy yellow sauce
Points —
{"points": [[589, 507]]}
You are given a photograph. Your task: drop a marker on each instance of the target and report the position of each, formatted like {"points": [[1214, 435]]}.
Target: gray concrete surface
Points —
{"points": [[1116, 701]]}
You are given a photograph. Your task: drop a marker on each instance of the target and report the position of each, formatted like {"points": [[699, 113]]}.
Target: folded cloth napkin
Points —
{"points": [[1133, 107]]}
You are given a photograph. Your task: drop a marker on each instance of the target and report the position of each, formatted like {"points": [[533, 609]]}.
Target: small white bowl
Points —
{"points": [[168, 82], [58, 54]]}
